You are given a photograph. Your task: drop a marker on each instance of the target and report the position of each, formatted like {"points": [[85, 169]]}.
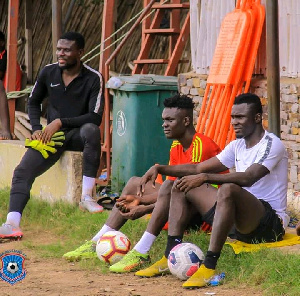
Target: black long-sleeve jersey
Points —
{"points": [[82, 101]]}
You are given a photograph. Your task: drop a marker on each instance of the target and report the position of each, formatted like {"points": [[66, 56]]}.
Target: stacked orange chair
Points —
{"points": [[231, 69]]}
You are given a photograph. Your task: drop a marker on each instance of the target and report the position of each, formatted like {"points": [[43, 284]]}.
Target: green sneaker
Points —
{"points": [[86, 251], [130, 262]]}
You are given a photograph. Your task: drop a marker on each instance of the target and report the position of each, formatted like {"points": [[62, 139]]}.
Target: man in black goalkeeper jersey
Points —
{"points": [[75, 106]]}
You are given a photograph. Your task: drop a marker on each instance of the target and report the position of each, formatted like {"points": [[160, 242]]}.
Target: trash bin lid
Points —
{"points": [[143, 82]]}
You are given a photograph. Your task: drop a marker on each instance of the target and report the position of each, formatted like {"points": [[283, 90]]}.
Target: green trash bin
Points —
{"points": [[138, 141]]}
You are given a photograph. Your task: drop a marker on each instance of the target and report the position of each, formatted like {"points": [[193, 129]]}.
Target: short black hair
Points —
{"points": [[249, 98], [2, 36], [74, 36], [180, 102]]}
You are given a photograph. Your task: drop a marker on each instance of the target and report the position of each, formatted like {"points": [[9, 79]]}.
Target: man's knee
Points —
{"points": [[166, 188], [135, 181], [90, 131], [175, 189], [176, 193], [228, 191]]}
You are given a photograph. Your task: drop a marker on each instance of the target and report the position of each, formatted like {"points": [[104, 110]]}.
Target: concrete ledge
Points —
{"points": [[60, 182]]}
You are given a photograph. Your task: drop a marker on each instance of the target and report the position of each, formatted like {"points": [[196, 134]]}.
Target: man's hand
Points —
{"points": [[50, 130], [36, 135], [125, 203], [151, 174], [130, 208], [136, 212], [187, 183]]}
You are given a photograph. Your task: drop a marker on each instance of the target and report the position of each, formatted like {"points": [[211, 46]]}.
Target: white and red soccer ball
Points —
{"points": [[112, 246], [184, 260]]}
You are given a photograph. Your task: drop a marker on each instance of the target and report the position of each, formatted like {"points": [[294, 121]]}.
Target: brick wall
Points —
{"points": [[193, 84]]}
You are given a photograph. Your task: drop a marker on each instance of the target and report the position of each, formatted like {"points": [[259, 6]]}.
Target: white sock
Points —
{"points": [[88, 184], [145, 243], [14, 218], [105, 228]]}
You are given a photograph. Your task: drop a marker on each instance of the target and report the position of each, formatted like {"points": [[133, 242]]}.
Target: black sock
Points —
{"points": [[211, 259], [171, 243]]}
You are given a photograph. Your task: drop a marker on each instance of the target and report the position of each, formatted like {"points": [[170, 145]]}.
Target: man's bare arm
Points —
{"points": [[130, 200], [244, 179], [212, 165], [138, 211]]}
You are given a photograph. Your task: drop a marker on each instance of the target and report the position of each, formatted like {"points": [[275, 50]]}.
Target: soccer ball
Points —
{"points": [[184, 260], [12, 267], [112, 246]]}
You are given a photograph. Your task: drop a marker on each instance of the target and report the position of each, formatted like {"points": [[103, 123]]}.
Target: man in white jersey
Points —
{"points": [[252, 199]]}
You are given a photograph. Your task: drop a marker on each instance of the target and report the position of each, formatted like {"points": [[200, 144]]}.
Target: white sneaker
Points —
{"points": [[91, 206], [8, 231]]}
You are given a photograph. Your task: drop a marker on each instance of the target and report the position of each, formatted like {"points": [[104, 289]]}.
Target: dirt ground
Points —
{"points": [[59, 277]]}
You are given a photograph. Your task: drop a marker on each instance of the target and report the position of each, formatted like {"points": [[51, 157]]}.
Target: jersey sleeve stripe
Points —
{"points": [[194, 151], [98, 102], [32, 89], [197, 150], [267, 151], [174, 144]]}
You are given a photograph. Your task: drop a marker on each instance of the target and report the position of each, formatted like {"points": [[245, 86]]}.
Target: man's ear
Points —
{"points": [[258, 117], [81, 52], [187, 120]]}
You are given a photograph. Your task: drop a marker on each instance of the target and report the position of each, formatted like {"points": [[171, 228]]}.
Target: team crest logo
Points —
{"points": [[121, 123], [12, 263]]}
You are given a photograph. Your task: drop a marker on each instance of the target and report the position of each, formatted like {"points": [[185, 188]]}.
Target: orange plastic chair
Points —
{"points": [[231, 69]]}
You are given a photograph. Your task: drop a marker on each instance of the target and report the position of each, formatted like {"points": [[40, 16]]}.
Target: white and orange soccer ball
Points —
{"points": [[112, 246], [184, 260]]}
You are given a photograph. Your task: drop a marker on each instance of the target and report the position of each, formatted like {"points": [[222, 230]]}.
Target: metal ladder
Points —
{"points": [[177, 35]]}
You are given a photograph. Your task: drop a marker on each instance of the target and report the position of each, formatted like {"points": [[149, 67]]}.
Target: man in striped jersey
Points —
{"points": [[189, 147], [253, 198], [75, 107]]}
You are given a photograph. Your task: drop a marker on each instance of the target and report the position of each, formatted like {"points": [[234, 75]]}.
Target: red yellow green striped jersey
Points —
{"points": [[201, 148]]}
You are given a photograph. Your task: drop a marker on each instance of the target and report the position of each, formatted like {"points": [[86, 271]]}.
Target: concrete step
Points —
{"points": [[62, 182]]}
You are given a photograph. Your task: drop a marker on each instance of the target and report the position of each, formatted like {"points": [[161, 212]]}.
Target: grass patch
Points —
{"points": [[268, 270]]}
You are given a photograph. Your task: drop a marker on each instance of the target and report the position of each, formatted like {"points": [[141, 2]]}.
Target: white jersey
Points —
{"points": [[271, 153]]}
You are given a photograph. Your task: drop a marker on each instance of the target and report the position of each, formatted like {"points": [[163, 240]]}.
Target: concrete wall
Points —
{"points": [[60, 182], [193, 84]]}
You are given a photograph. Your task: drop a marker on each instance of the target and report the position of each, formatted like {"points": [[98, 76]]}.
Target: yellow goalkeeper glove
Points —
{"points": [[58, 138], [42, 148]]}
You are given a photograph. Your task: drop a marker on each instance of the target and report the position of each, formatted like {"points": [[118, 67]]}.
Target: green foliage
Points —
{"points": [[269, 270]]}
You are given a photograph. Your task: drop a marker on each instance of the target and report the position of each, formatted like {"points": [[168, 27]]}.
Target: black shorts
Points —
{"points": [[203, 222], [270, 228]]}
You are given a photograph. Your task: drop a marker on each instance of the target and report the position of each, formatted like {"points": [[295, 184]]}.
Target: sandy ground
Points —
{"points": [[59, 277]]}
